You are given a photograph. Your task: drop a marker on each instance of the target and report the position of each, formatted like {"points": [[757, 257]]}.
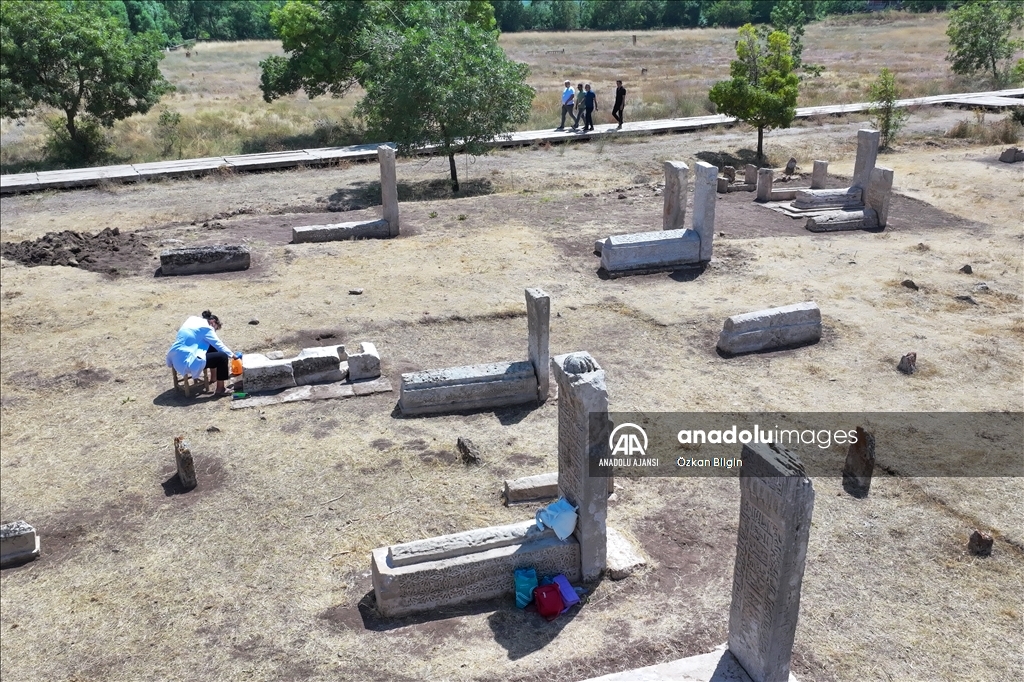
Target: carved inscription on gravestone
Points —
{"points": [[776, 501]]}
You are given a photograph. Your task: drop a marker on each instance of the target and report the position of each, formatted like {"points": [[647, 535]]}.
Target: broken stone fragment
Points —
{"points": [[908, 363], [860, 464], [470, 452], [980, 544], [730, 173], [909, 283], [18, 543], [186, 465], [967, 270], [365, 364], [790, 166]]}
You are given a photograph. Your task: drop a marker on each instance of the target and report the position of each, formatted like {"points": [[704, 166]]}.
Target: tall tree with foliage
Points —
{"points": [[980, 37], [763, 88], [887, 117], [68, 57], [789, 16], [444, 82]]}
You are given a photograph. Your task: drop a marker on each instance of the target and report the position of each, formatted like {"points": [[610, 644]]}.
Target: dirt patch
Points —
{"points": [[110, 251], [522, 459], [82, 378]]}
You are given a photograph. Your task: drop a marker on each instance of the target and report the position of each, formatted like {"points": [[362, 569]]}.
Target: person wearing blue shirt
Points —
{"points": [[568, 100], [197, 346], [590, 106]]}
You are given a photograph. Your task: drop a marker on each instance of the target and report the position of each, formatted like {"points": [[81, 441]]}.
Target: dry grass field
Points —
{"points": [[262, 572], [223, 111]]}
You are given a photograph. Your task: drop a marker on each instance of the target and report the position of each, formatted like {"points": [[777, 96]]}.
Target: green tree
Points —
{"points": [[729, 12], [980, 37], [887, 117], [68, 57], [763, 88], [444, 82], [788, 16]]}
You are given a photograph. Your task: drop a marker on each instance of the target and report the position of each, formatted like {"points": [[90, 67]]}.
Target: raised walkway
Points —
{"points": [[85, 177]]}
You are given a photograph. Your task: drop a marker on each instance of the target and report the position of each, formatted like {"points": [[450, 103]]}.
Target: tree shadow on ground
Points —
{"points": [[362, 195], [738, 160]]}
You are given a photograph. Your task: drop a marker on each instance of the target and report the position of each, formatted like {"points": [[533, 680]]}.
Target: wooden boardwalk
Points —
{"points": [[85, 177]]}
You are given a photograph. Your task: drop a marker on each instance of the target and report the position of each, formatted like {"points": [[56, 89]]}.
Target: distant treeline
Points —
{"points": [[610, 15], [186, 20]]}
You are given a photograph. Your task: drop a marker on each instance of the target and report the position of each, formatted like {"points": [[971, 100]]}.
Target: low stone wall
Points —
{"points": [[202, 260], [373, 229], [771, 328], [320, 365], [474, 387]]}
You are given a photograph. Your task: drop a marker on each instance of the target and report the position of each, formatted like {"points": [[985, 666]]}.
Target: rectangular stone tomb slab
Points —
{"points": [[825, 198], [365, 364], [474, 387], [373, 229], [321, 365], [650, 251], [468, 542], [262, 374], [837, 221], [429, 585], [789, 325], [18, 543], [717, 666], [201, 260], [531, 488]]}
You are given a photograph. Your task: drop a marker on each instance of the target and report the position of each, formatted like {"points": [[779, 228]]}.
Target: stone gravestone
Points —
{"points": [[776, 501], [878, 193], [18, 544], [860, 464], [389, 187], [676, 178], [704, 180], [583, 430], [538, 319], [765, 177], [750, 174], [867, 155], [819, 175], [186, 465]]}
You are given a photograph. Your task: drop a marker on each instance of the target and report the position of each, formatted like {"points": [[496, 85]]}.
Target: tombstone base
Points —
{"points": [[717, 666], [475, 387], [373, 229]]}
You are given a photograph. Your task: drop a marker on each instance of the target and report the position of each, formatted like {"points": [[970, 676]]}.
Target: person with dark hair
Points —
{"points": [[568, 98], [197, 346], [620, 102], [580, 97], [590, 106]]}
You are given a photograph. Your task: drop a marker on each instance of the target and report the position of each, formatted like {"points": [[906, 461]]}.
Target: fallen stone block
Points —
{"points": [[185, 464], [373, 229], [531, 488], [650, 251], [622, 559], [320, 365], [468, 542], [201, 260], [742, 187], [365, 364], [18, 544], [474, 387], [837, 221], [429, 585], [723, 185], [259, 373], [828, 198], [789, 325]]}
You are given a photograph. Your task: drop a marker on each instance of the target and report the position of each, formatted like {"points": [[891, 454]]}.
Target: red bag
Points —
{"points": [[549, 602]]}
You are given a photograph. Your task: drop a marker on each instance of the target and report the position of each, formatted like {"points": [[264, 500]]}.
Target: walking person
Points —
{"points": [[568, 102], [579, 107], [620, 102], [590, 106]]}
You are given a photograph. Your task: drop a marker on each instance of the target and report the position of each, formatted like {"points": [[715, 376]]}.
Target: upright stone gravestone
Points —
{"points": [[765, 178], [676, 178], [776, 501], [878, 193], [389, 187], [705, 178], [819, 175], [538, 318], [750, 174], [867, 155], [583, 430]]}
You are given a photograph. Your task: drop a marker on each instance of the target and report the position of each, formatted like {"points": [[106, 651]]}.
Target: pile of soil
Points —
{"points": [[108, 251]]}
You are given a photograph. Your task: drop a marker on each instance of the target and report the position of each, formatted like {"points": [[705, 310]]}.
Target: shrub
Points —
{"points": [[89, 147]]}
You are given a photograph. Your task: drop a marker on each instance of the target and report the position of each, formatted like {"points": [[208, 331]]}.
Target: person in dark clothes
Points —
{"points": [[568, 100], [590, 106], [620, 102], [579, 107]]}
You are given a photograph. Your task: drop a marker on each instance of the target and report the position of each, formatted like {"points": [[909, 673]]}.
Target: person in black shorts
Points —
{"points": [[620, 102]]}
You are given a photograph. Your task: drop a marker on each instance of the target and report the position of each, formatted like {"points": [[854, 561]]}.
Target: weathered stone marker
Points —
{"points": [[389, 188], [339, 232], [850, 197], [750, 174], [645, 252], [201, 260], [765, 178], [867, 155], [538, 318], [18, 544], [879, 193], [789, 325], [776, 502], [704, 198], [583, 430], [819, 175], [676, 179], [365, 364], [186, 465], [860, 464]]}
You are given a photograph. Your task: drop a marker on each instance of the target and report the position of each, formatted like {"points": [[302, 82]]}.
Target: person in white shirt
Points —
{"points": [[197, 346], [568, 102]]}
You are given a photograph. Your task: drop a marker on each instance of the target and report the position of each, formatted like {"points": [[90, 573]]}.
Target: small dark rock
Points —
{"points": [[967, 299], [470, 453], [622, 196], [908, 363], [212, 429], [355, 292], [980, 543], [967, 270], [254, 321], [909, 283]]}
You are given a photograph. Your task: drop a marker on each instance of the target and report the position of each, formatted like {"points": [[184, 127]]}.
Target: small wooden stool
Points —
{"points": [[181, 383]]}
